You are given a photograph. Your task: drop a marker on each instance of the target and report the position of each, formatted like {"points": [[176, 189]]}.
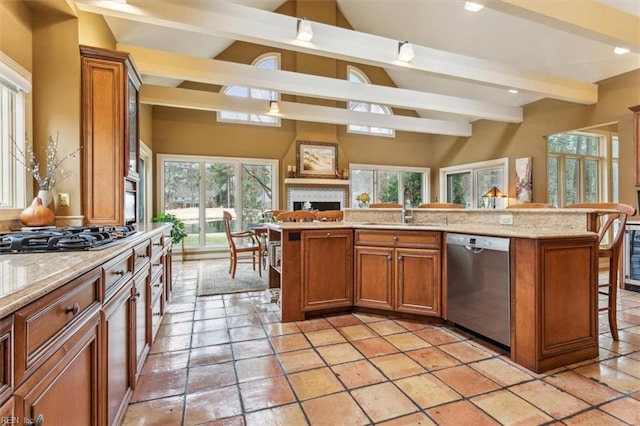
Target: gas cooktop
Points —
{"points": [[72, 238]]}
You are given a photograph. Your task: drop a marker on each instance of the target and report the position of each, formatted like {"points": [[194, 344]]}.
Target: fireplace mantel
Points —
{"points": [[315, 182]]}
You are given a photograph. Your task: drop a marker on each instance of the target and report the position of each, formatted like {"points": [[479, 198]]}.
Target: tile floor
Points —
{"points": [[226, 360]]}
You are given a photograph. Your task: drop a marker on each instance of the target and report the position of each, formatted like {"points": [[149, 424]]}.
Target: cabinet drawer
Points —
{"points": [[116, 272], [156, 287], [157, 245], [42, 327], [422, 239], [156, 315], [141, 255]]}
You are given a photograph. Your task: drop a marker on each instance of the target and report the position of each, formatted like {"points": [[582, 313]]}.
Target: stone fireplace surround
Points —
{"points": [[321, 197]]}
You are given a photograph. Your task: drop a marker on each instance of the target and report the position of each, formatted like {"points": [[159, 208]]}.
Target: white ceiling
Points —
{"points": [[465, 62]]}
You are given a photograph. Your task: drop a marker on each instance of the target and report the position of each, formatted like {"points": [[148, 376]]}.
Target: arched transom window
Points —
{"points": [[357, 76], [267, 61]]}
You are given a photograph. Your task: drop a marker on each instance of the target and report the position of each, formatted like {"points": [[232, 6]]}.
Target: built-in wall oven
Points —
{"points": [[632, 256]]}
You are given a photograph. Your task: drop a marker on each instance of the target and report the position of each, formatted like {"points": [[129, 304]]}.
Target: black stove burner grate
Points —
{"points": [[71, 238]]}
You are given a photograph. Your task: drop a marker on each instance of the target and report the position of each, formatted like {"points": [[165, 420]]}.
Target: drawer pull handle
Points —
{"points": [[73, 309], [157, 314], [142, 256], [157, 244], [121, 273], [135, 297], [389, 257], [39, 420], [328, 234], [395, 238], [157, 285]]}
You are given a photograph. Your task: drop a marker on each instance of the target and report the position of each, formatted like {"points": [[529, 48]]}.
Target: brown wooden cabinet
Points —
{"points": [[142, 334], [636, 144], [6, 362], [554, 301], [398, 271], [109, 136], [327, 269]]}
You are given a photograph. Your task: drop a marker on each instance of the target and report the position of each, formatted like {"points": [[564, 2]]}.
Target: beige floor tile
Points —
{"points": [[465, 380], [460, 413], [199, 407], [501, 371], [625, 364], [337, 409], [407, 341], [427, 391], [157, 412], [582, 387], [258, 368], [375, 347], [247, 333], [367, 318], [433, 358], [210, 377], [396, 366], [357, 332], [338, 354], [167, 361], [357, 374], [549, 399], [251, 349], [466, 351], [315, 383], [304, 359], [414, 419], [290, 342], [383, 401], [626, 409], [210, 355], [343, 320], [160, 385], [279, 329], [387, 327], [325, 337], [613, 378], [411, 325], [265, 393], [437, 335], [314, 325], [286, 415], [593, 417], [509, 409]]}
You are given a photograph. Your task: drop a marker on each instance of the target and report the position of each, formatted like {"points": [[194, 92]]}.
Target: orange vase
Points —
{"points": [[37, 214]]}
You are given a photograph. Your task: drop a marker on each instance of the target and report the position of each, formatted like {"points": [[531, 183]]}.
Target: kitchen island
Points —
{"points": [[322, 268]]}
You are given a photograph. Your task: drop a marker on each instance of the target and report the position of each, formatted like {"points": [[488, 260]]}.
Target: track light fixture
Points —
{"points": [[274, 108], [405, 51], [305, 32]]}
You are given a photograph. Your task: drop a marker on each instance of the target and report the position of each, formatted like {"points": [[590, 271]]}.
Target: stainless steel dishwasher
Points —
{"points": [[478, 296]]}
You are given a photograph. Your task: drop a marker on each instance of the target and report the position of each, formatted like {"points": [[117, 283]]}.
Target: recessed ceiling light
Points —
{"points": [[473, 7], [620, 50], [513, 91]]}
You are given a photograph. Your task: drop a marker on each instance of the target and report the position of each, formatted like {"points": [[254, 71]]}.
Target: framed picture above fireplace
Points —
{"points": [[316, 159]]}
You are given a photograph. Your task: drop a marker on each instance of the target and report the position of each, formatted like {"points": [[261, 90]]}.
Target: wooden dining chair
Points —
{"points": [[269, 214], [385, 206], [330, 215], [242, 242], [440, 206], [609, 222], [297, 216], [531, 206]]}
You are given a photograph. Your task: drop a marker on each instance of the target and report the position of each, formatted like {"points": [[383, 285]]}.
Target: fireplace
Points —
{"points": [[321, 198]]}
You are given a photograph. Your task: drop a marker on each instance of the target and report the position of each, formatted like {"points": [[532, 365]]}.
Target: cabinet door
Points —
{"points": [[117, 353], [327, 265], [374, 280], [142, 335], [65, 392], [418, 281]]}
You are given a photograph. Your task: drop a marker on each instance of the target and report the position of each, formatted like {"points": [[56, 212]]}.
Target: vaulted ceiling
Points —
{"points": [[466, 64]]}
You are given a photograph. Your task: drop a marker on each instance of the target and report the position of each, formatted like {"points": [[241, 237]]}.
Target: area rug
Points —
{"points": [[214, 278]]}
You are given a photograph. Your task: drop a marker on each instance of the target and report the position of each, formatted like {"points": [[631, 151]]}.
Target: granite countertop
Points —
{"points": [[25, 277]]}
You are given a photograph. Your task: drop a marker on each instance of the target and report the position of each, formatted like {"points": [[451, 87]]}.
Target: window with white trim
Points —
{"points": [[355, 75], [582, 167], [467, 183], [15, 82], [408, 186], [267, 61]]}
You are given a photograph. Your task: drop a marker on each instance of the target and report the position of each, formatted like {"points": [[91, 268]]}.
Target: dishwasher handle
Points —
{"points": [[474, 250]]}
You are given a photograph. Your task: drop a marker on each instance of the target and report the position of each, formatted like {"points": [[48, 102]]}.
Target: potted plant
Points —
{"points": [[178, 232]]}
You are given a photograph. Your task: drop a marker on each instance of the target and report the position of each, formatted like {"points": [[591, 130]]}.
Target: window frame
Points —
{"points": [[15, 89], [605, 161], [426, 184], [473, 168], [275, 96], [202, 160], [364, 79]]}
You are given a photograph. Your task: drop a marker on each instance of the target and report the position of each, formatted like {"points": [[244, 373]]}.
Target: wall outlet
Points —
{"points": [[506, 219], [63, 199]]}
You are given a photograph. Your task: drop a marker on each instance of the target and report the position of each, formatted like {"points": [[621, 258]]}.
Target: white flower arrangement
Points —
{"points": [[30, 162]]}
